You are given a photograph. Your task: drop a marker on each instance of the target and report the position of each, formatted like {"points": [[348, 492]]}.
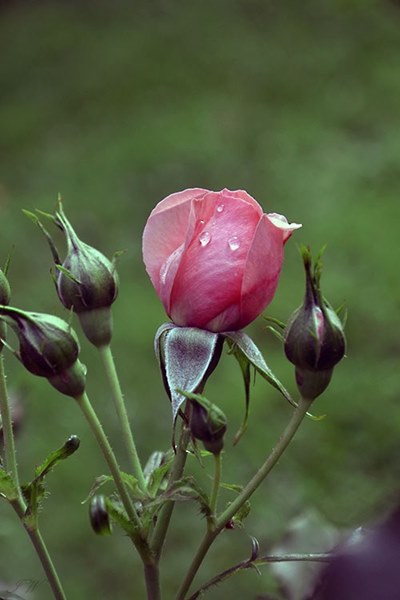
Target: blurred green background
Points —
{"points": [[117, 104]]}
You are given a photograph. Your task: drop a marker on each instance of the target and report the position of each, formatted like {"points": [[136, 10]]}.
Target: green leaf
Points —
{"points": [[35, 491], [241, 514], [118, 514], [7, 486], [71, 445], [183, 490], [157, 469]]}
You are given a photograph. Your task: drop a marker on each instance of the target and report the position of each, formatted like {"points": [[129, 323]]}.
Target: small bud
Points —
{"points": [[86, 281], [99, 517], [208, 424], [314, 337], [48, 348]]}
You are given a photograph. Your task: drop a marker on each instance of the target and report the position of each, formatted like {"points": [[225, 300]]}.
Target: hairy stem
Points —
{"points": [[216, 482], [165, 515], [119, 404], [10, 460], [221, 521], [138, 536]]}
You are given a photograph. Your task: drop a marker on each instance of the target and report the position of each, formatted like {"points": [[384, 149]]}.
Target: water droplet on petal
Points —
{"points": [[220, 208], [202, 222], [234, 243], [204, 238]]}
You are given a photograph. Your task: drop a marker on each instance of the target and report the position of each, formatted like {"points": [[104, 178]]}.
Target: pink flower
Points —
{"points": [[214, 258]]}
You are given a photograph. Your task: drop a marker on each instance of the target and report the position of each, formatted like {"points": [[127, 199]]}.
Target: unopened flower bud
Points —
{"points": [[86, 281], [99, 517], [314, 337], [208, 424], [48, 347]]}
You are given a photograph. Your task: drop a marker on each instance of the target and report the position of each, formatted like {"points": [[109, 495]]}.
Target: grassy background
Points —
{"points": [[115, 105]]}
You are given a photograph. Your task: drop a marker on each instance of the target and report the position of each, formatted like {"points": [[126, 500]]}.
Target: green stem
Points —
{"points": [[138, 536], [165, 515], [10, 460], [283, 442], [112, 376], [42, 552], [216, 482], [18, 504]]}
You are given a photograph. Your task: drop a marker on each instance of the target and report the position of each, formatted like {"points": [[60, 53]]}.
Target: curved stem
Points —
{"points": [[119, 404], [97, 429], [220, 522], [262, 560], [165, 515], [216, 482]]}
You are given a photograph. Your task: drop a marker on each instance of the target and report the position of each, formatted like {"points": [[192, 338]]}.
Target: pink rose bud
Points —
{"points": [[214, 258]]}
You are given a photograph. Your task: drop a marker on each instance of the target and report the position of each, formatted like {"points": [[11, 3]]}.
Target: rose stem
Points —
{"points": [[220, 522]]}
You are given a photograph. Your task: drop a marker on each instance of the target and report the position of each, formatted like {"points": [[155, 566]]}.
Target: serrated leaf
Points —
{"points": [[248, 348], [35, 491], [242, 514], [186, 489], [118, 514], [157, 469], [7, 486], [132, 483], [232, 487]]}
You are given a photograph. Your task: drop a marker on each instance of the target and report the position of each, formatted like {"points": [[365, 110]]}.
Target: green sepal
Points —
{"points": [[242, 345], [187, 356]]}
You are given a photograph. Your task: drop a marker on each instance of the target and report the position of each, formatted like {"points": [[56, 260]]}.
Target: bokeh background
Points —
{"points": [[117, 104]]}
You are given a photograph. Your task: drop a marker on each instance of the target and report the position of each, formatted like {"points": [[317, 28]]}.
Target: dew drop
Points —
{"points": [[234, 243], [220, 208], [202, 222], [204, 238]]}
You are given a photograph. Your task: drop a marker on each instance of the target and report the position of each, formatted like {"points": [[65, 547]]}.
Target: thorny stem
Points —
{"points": [[261, 560], [221, 521]]}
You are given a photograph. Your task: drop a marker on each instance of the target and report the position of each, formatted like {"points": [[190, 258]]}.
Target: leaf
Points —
{"points": [[233, 487], [246, 346], [241, 514], [7, 486], [157, 469], [183, 490], [71, 445], [118, 514], [35, 491]]}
